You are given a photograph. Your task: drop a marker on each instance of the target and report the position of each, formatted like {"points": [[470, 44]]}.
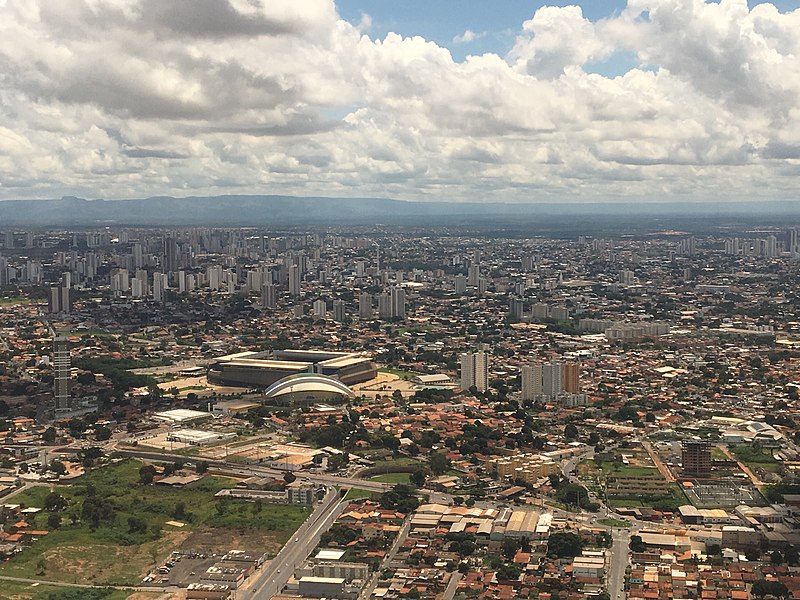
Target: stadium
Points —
{"points": [[263, 369]]}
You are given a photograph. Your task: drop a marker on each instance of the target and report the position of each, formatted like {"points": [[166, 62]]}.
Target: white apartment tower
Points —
{"points": [[475, 371]]}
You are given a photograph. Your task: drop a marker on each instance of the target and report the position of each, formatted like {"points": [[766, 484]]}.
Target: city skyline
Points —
{"points": [[649, 100]]}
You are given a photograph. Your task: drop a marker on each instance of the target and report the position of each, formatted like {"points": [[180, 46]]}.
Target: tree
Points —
{"points": [[510, 547], [570, 431], [201, 467], [49, 435], [58, 467], [636, 544], [762, 588], [417, 477], [137, 525], [54, 502], [53, 521], [566, 544], [439, 463], [102, 433], [146, 474]]}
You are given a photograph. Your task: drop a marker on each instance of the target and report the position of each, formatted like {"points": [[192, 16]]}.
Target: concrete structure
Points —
{"points": [[588, 567], [61, 375], [637, 485], [263, 369], [696, 458], [321, 587]]}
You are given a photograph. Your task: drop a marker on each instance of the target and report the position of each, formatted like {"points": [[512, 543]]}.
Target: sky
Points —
{"points": [[451, 100]]}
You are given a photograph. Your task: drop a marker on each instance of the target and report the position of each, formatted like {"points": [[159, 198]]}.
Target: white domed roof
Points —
{"points": [[308, 383]]}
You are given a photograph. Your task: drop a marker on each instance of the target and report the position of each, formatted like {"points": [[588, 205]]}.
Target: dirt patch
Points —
{"points": [[106, 564], [222, 540], [177, 595]]}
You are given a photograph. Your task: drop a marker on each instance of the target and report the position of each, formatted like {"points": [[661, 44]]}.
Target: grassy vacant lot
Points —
{"points": [[12, 590], [6, 301], [594, 467], [400, 373], [403, 461], [358, 493], [614, 522], [671, 501], [756, 457], [392, 477], [131, 535]]}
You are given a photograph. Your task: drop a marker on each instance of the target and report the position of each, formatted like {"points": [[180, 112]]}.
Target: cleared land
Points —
{"points": [[131, 535]]}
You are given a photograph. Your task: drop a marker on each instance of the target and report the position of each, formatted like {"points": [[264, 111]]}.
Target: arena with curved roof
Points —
{"points": [[308, 387]]}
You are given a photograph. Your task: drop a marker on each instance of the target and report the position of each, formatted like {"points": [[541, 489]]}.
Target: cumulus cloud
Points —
{"points": [[121, 98], [468, 36]]}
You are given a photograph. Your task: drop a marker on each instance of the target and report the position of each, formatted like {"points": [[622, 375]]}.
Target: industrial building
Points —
{"points": [[262, 369]]}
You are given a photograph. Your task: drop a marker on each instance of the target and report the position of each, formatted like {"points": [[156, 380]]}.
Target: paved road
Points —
{"points": [[366, 592], [744, 468], [619, 562], [452, 586], [272, 577], [664, 469]]}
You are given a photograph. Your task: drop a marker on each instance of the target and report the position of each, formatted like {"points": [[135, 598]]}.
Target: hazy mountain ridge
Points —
{"points": [[286, 210]]}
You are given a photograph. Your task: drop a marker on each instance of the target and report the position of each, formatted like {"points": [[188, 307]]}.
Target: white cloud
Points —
{"points": [[122, 98], [468, 36]]}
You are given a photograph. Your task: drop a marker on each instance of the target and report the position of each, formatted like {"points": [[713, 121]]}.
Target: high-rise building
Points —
{"points": [[294, 280], [269, 296], [171, 258], [460, 283], [398, 302], [58, 300], [320, 308], [4, 270], [550, 379], [475, 371], [338, 311], [696, 458], [571, 378], [159, 286], [531, 381], [384, 306], [61, 375], [516, 308], [474, 275], [365, 306]]}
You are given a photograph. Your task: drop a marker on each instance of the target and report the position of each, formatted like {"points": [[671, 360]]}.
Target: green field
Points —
{"points": [[614, 522], [115, 552], [669, 501], [400, 373], [756, 457], [357, 494], [392, 477], [6, 301], [403, 461]]}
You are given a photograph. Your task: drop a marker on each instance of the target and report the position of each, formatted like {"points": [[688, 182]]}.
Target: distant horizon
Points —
{"points": [[576, 202]]}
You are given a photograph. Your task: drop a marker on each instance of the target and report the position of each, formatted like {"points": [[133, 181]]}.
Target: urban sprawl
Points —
{"points": [[388, 413]]}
